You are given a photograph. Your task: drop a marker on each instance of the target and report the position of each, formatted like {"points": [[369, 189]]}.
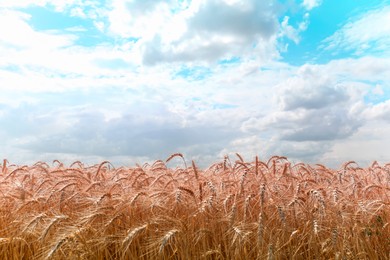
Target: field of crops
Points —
{"points": [[234, 209]]}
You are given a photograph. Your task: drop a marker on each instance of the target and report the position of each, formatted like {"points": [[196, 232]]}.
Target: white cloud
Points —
{"points": [[168, 31], [293, 33], [155, 115], [91, 9], [289, 31], [368, 33], [78, 11], [21, 36], [378, 111], [139, 19], [198, 31], [59, 5], [21, 3], [318, 107], [310, 90], [368, 144], [141, 128], [50, 60], [150, 115], [310, 4]]}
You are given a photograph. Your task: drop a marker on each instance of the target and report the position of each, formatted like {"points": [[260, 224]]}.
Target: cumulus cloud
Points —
{"points": [[250, 20], [115, 124], [314, 111], [322, 125], [326, 124], [378, 111], [159, 31], [310, 90], [140, 19], [324, 108], [370, 143], [307, 152], [199, 30], [85, 132], [364, 68]]}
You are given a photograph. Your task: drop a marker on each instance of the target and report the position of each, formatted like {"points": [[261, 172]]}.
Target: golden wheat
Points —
{"points": [[241, 210]]}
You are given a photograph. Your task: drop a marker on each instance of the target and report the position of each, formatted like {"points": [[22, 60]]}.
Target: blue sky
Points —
{"points": [[132, 81]]}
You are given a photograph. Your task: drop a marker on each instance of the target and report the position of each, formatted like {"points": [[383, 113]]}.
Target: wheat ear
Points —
{"points": [[168, 236], [131, 234]]}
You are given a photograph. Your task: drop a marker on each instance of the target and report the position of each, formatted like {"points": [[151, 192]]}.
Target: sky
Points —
{"points": [[134, 81]]}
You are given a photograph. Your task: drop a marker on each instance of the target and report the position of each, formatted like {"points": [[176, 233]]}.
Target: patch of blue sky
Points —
{"points": [[92, 37], [232, 60], [181, 5], [11, 68], [223, 106], [46, 19], [193, 73], [43, 18], [324, 21], [379, 93]]}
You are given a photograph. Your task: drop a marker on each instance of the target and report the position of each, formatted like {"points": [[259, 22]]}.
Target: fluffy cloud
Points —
{"points": [[310, 90], [138, 18], [21, 36], [147, 130], [379, 111], [305, 117], [368, 144], [199, 30], [314, 111], [360, 69], [52, 61], [238, 19], [291, 32], [322, 125], [321, 114]]}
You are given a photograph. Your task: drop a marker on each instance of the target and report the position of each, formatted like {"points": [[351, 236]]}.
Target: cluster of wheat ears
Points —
{"points": [[231, 210]]}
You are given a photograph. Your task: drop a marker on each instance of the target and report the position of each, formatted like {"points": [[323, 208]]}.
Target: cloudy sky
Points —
{"points": [[132, 81]]}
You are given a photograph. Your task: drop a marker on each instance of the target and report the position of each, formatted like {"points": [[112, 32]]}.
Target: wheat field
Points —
{"points": [[231, 210]]}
